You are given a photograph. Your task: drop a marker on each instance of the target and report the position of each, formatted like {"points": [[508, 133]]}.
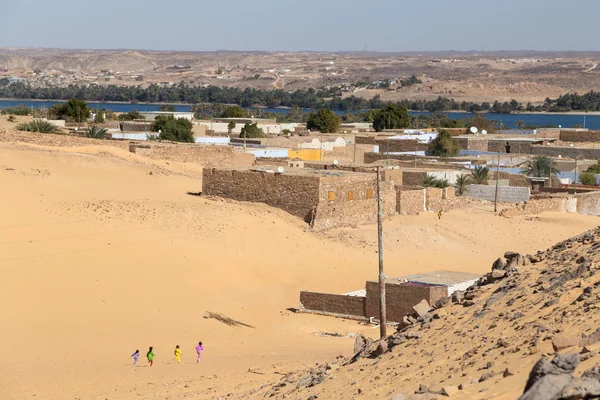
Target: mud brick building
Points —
{"points": [[323, 199], [401, 295]]}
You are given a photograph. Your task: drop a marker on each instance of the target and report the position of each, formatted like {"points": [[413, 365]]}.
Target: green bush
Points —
{"points": [[594, 168], [38, 125], [252, 131], [324, 121], [18, 110], [72, 110], [431, 181], [588, 178], [444, 145], [177, 130], [130, 116]]}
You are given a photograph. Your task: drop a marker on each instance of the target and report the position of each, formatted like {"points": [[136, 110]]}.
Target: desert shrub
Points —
{"points": [[251, 131], [588, 178], [95, 132], [11, 118], [444, 145], [38, 125]]}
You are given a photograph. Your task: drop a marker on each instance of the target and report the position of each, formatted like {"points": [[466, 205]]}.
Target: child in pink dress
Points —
{"points": [[199, 350]]}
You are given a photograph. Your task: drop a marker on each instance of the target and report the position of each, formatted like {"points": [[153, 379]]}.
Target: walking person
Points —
{"points": [[135, 356], [440, 214], [199, 350], [177, 354], [150, 356]]}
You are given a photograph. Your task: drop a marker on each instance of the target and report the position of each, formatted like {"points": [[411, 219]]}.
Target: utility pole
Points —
{"points": [[382, 309], [574, 183], [354, 148], [497, 181]]}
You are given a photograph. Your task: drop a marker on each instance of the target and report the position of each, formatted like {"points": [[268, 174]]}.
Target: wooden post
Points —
{"points": [[497, 180], [382, 309], [354, 149]]}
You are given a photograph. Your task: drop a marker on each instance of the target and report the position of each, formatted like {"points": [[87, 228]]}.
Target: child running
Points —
{"points": [[177, 354], [199, 350], [135, 356], [150, 356]]}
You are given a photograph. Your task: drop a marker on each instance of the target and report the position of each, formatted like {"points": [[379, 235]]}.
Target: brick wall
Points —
{"points": [[400, 298], [516, 147], [506, 194], [582, 136], [333, 304], [569, 152], [398, 145], [473, 143], [294, 194], [355, 201], [410, 200], [208, 156], [413, 178]]}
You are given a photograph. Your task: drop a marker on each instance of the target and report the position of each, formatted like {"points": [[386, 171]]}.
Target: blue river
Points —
{"points": [[537, 119]]}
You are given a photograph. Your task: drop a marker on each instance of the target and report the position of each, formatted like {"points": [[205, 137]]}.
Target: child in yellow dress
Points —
{"points": [[177, 354]]}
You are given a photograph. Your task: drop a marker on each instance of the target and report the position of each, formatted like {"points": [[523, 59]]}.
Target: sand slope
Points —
{"points": [[99, 258]]}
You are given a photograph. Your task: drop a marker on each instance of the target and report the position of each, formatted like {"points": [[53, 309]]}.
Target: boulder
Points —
{"points": [[498, 274], [443, 302], [439, 314], [458, 296], [548, 378], [422, 308], [449, 390], [509, 255], [398, 396], [499, 264], [561, 342]]}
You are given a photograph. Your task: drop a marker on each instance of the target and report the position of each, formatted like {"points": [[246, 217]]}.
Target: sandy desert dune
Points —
{"points": [[100, 258]]}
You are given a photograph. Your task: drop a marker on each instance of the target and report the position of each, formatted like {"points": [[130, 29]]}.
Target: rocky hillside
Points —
{"points": [[482, 344]]}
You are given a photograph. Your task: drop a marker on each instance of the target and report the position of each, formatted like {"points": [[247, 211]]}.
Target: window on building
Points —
{"points": [[331, 196], [369, 193], [350, 194]]}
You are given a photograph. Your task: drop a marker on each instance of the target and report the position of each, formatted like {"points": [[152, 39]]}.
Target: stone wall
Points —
{"points": [[394, 175], [448, 193], [588, 203], [129, 126], [206, 155], [413, 178], [400, 145], [473, 143], [513, 179], [432, 194], [506, 194], [355, 201], [538, 205], [410, 200], [569, 152], [516, 147], [297, 195], [580, 136], [400, 298], [333, 304]]}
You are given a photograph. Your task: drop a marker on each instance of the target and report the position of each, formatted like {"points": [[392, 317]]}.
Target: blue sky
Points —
{"points": [[323, 25]]}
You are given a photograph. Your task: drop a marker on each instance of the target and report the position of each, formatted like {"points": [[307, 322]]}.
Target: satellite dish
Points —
{"points": [[473, 129], [335, 162], [559, 156], [280, 170], [484, 132]]}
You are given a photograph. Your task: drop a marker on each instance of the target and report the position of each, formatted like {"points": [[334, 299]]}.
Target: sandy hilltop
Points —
{"points": [[465, 76], [105, 252]]}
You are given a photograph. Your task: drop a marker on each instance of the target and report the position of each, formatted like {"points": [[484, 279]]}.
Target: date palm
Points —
{"points": [[540, 167], [480, 175], [461, 183]]}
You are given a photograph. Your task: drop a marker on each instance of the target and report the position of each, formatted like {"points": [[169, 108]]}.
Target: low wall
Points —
{"points": [[268, 153], [448, 193], [400, 145], [400, 298], [569, 152], [129, 136], [339, 305], [581, 136], [540, 205], [306, 154], [588, 203], [207, 156], [432, 195], [473, 143], [222, 141], [506, 194], [410, 200], [136, 127], [516, 147], [413, 178]]}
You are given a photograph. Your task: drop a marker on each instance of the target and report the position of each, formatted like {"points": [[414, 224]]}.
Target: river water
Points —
{"points": [[537, 119]]}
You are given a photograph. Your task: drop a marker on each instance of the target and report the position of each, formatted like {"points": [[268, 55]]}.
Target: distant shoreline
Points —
{"points": [[287, 108]]}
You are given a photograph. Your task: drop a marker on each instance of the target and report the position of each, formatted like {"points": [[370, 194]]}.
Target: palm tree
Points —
{"points": [[95, 132], [461, 183], [540, 167], [480, 175], [429, 181]]}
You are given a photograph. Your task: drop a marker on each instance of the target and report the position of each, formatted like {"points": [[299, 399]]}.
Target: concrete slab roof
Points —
{"points": [[442, 278]]}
